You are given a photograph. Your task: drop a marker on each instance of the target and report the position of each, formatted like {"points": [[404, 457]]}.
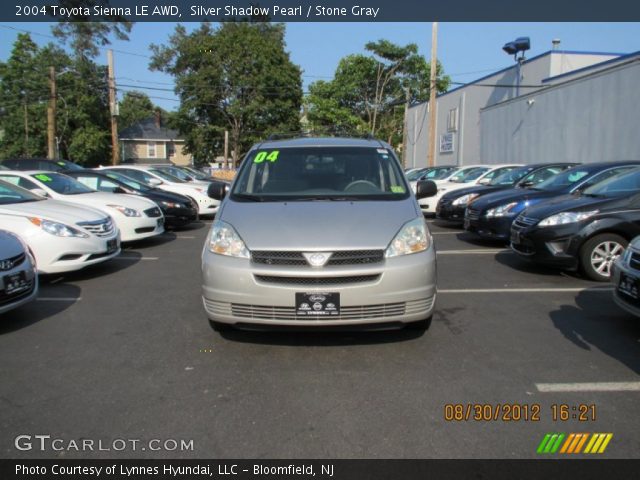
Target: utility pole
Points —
{"points": [[405, 126], [26, 127], [113, 109], [51, 116], [226, 149], [432, 95]]}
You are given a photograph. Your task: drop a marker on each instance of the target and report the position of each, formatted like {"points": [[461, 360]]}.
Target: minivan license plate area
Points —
{"points": [[317, 304]]}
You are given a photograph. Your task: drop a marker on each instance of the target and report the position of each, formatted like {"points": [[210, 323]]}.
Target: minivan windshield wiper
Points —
{"points": [[320, 198], [248, 197]]}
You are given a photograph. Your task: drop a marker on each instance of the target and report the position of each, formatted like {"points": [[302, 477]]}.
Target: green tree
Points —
{"points": [[134, 106], [237, 77], [87, 35], [367, 90]]}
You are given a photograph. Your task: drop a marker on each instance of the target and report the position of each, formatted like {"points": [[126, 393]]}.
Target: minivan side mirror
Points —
{"points": [[426, 188], [41, 192], [217, 190]]}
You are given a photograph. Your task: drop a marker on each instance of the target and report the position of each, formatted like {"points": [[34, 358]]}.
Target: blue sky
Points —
{"points": [[467, 50]]}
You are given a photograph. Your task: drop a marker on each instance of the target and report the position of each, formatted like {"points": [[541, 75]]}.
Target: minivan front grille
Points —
{"points": [[100, 228], [315, 281], [358, 312], [340, 257]]}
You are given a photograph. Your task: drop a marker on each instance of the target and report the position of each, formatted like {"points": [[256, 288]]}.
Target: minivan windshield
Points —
{"points": [[620, 185], [320, 173]]}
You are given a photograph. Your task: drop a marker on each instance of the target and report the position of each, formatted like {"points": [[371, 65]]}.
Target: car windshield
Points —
{"points": [[10, 194], [438, 173], [176, 172], [166, 176], [563, 180], [62, 184], [510, 177], [130, 182], [320, 173], [194, 173], [416, 174], [67, 165], [621, 185], [467, 175]]}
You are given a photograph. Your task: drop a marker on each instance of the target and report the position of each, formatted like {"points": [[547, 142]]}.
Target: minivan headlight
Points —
{"points": [[413, 237], [466, 199], [564, 218], [224, 240], [57, 229]]}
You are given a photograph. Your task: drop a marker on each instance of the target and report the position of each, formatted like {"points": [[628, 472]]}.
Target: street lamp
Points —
{"points": [[518, 46]]}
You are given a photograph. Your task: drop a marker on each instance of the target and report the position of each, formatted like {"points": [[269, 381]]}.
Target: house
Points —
{"points": [[148, 141]]}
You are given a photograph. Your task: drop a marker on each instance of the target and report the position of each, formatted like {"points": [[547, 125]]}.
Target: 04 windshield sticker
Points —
{"points": [[43, 178], [271, 156], [397, 189]]}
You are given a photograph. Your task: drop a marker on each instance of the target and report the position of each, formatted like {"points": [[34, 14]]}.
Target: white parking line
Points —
{"points": [[59, 299], [125, 257], [473, 251], [525, 290], [589, 387]]}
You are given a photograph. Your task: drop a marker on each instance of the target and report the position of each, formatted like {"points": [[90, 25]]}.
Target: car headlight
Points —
{"points": [[503, 210], [413, 237], [57, 229], [466, 199], [170, 204], [564, 218], [224, 240], [127, 212]]}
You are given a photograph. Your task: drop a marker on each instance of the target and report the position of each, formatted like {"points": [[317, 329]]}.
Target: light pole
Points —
{"points": [[519, 45]]}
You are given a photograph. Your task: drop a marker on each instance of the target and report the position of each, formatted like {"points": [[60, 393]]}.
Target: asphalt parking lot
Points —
{"points": [[124, 350]]}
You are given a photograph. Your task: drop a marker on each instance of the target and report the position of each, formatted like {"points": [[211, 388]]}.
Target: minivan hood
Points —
{"points": [[318, 225], [55, 210]]}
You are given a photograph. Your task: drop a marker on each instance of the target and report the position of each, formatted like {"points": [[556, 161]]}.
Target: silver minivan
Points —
{"points": [[319, 232]]}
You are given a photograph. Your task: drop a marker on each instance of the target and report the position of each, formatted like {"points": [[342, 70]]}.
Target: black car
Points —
{"points": [[47, 164], [586, 230], [491, 216], [452, 205], [178, 210]]}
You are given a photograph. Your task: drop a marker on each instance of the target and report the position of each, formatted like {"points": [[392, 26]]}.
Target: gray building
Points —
{"points": [[458, 124], [589, 115]]}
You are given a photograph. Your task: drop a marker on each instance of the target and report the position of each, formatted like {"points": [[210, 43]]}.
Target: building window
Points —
{"points": [[452, 121], [151, 149], [171, 149]]}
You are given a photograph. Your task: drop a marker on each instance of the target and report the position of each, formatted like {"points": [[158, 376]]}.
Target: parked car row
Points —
{"points": [[573, 217], [60, 218]]}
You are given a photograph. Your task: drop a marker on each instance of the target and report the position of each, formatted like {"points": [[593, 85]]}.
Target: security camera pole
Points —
{"points": [[432, 94]]}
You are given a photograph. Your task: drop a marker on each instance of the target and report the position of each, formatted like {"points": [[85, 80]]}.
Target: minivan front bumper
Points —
{"points": [[397, 290]]}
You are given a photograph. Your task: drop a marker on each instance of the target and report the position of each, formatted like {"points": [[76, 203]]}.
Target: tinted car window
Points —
{"points": [[495, 174], [327, 172], [604, 175], [541, 175], [511, 176], [617, 186]]}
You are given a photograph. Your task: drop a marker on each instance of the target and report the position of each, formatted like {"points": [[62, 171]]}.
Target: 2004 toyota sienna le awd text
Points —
{"points": [[319, 232]]}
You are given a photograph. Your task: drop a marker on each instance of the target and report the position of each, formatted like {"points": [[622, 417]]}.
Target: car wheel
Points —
{"points": [[598, 254], [420, 325]]}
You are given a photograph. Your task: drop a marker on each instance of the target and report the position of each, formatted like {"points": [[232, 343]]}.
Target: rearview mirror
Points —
{"points": [[426, 188], [41, 192], [217, 190]]}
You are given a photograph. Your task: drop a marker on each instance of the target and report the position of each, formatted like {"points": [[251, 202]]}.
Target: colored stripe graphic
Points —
{"points": [[574, 443]]}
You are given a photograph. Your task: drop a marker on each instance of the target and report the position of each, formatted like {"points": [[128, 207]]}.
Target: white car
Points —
{"points": [[196, 191], [18, 276], [135, 217], [467, 176], [62, 236]]}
